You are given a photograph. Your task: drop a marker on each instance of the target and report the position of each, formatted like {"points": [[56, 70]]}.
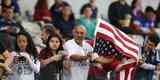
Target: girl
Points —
{"points": [[25, 63], [51, 59]]}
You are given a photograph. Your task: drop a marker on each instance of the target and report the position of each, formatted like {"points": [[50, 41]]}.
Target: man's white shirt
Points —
{"points": [[79, 70]]}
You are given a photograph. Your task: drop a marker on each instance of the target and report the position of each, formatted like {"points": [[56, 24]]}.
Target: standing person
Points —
{"points": [[77, 51], [51, 59], [150, 60], [25, 63]]}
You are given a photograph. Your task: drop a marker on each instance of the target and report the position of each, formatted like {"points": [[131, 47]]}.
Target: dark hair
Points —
{"points": [[31, 49], [154, 38], [49, 29], [4, 7], [84, 7], [149, 9], [133, 4], [72, 14], [60, 39], [158, 9]]}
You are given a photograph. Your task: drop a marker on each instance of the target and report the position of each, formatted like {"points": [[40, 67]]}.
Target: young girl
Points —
{"points": [[25, 63], [51, 59]]}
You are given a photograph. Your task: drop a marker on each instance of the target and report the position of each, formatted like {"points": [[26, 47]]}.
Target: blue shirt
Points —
{"points": [[65, 27]]}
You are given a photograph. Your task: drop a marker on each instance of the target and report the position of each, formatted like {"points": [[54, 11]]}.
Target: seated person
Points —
{"points": [[7, 23], [146, 24], [8, 27]]}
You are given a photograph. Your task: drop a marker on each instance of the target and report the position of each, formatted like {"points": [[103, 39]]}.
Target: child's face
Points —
{"points": [[149, 45], [88, 12], [54, 43], [22, 42]]}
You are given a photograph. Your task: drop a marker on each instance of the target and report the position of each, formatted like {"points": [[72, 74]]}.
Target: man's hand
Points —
{"points": [[140, 62], [44, 62], [57, 57], [78, 57], [10, 29]]}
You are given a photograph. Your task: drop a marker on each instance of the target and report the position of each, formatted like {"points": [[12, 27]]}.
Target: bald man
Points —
{"points": [[77, 52]]}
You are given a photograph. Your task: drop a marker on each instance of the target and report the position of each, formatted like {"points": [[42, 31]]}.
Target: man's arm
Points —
{"points": [[104, 60], [9, 58], [77, 57]]}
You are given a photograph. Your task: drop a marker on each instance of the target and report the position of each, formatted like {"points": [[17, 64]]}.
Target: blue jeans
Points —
{"points": [[142, 74]]}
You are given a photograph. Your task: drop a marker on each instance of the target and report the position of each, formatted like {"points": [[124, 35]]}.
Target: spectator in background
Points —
{"points": [[146, 25], [87, 21], [42, 12], [150, 60], [8, 23], [158, 17], [48, 30], [0, 11], [136, 10], [57, 7], [8, 27], [5, 61], [13, 3], [65, 22], [119, 14], [25, 62], [94, 8], [51, 59]]}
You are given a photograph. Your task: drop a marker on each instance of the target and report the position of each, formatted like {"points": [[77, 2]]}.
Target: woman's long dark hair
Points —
{"points": [[30, 49], [84, 7], [59, 38]]}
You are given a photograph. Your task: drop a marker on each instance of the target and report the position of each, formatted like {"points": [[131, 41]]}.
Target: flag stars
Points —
{"points": [[113, 50], [104, 47], [110, 46], [107, 42]]}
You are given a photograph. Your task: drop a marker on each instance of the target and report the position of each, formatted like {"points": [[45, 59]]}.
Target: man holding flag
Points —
{"points": [[117, 51]]}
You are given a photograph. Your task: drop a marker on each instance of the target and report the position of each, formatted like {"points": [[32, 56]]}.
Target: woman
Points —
{"points": [[25, 63], [51, 59], [87, 21], [65, 22]]}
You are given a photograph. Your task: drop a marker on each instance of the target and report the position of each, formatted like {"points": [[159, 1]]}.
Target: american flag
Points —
{"points": [[111, 41], [106, 48]]}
